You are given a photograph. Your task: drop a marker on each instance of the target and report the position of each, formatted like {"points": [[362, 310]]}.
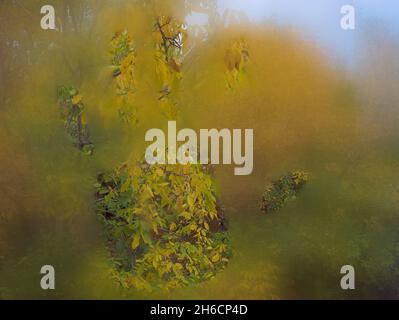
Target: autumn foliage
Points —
{"points": [[163, 224]]}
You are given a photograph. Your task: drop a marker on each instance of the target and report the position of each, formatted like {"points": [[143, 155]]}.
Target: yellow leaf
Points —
{"points": [[159, 172], [136, 171], [216, 257], [149, 190], [178, 266], [76, 99], [136, 241], [186, 215], [155, 227]]}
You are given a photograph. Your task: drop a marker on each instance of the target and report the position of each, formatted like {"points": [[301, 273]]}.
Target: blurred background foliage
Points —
{"points": [[338, 125]]}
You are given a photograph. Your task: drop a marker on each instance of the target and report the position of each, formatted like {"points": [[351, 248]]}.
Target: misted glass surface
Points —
{"points": [[319, 98]]}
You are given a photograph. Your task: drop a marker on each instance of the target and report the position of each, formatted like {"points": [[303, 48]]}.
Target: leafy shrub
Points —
{"points": [[170, 38], [72, 113], [236, 59], [163, 225], [124, 61], [121, 47], [279, 192]]}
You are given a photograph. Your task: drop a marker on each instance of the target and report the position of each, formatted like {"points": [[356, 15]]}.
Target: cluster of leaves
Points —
{"points": [[163, 225], [124, 62], [236, 59], [169, 36], [282, 190], [72, 113]]}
